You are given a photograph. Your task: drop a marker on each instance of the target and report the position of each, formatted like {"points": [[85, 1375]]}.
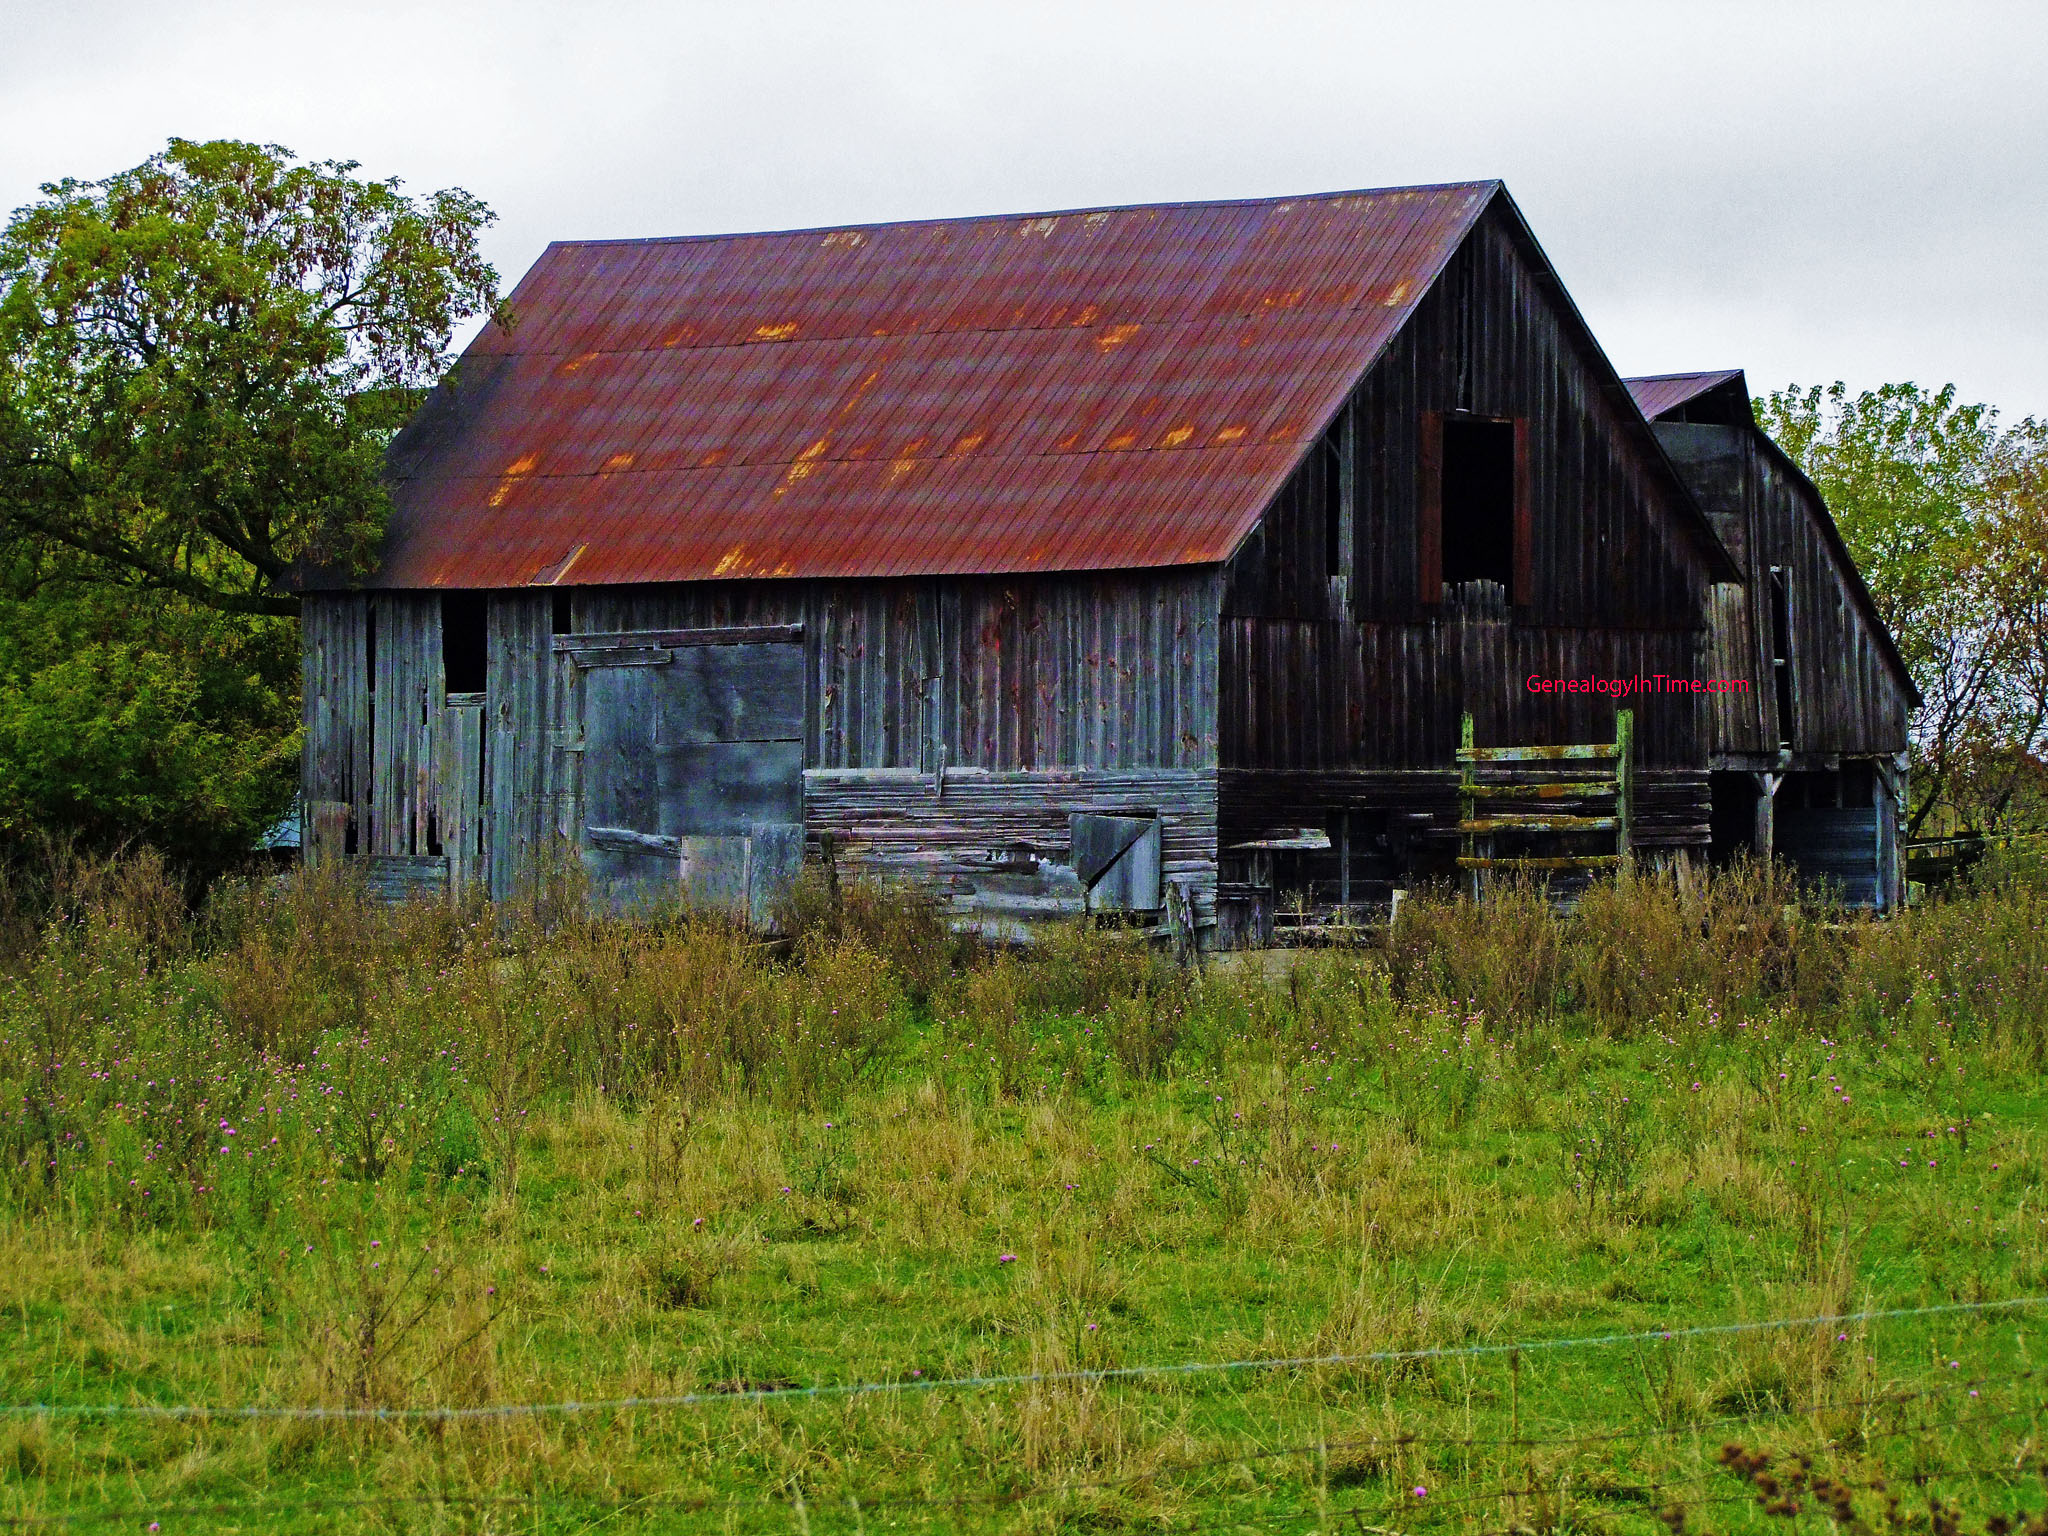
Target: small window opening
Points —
{"points": [[465, 649], [1479, 501], [1781, 652], [561, 611]]}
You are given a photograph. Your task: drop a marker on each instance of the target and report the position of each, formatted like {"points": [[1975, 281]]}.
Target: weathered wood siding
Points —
{"points": [[532, 788], [1036, 697], [1346, 694], [966, 835], [405, 709], [1032, 698], [383, 739], [1610, 547], [335, 709], [1083, 671], [1847, 698]]}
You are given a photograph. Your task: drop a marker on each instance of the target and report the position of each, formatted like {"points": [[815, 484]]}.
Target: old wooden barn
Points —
{"points": [[1808, 764], [1153, 557]]}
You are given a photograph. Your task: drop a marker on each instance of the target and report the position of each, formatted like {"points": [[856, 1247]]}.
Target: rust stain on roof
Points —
{"points": [[1112, 388]]}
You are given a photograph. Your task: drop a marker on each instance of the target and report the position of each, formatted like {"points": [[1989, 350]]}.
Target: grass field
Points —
{"points": [[297, 1152]]}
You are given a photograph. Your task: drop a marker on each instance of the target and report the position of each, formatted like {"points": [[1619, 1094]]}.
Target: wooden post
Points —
{"points": [[1344, 865], [1767, 785], [1624, 779], [1467, 805]]}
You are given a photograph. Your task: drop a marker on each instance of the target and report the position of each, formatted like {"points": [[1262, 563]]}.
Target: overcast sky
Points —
{"points": [[1808, 190]]}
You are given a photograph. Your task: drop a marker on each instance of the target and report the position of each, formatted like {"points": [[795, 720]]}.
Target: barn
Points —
{"points": [[1809, 764], [1217, 560]]}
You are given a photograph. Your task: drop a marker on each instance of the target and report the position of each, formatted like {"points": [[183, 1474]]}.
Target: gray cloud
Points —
{"points": [[1809, 190]]}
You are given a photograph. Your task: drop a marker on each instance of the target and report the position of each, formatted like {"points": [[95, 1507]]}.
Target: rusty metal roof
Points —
{"points": [[1120, 387], [1663, 392]]}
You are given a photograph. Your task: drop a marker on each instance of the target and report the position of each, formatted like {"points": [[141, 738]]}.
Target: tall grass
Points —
{"points": [[433, 1154], [133, 1031]]}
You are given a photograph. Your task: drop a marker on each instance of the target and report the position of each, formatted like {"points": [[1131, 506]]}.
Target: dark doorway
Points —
{"points": [[1479, 501], [1732, 821], [465, 642]]}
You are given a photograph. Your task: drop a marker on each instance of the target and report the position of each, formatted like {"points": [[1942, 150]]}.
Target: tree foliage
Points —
{"points": [[1946, 512], [201, 359], [143, 718]]}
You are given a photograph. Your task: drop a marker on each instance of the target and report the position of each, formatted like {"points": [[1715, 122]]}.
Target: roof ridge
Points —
{"points": [[1029, 214]]}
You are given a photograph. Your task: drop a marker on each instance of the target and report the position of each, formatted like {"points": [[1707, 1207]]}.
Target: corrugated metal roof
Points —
{"points": [[1121, 387], [1663, 392]]}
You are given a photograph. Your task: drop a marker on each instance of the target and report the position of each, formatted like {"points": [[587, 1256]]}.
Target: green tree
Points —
{"points": [[1943, 508], [130, 717], [202, 358]]}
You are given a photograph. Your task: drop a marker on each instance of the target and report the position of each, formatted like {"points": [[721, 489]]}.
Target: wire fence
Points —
{"points": [[1964, 1390], [989, 1382]]}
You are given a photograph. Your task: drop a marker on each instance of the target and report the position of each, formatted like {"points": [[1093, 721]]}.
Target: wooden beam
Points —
{"points": [[1586, 861], [1549, 789], [1576, 753], [1541, 823], [735, 634]]}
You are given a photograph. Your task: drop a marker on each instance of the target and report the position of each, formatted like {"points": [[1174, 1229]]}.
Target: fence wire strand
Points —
{"points": [[1319, 1448], [983, 1383]]}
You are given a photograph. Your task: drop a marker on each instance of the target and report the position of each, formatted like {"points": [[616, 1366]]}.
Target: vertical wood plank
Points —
{"points": [[1525, 521], [1430, 510]]}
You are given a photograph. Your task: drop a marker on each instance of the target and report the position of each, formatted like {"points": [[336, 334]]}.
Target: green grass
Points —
{"points": [[718, 1183]]}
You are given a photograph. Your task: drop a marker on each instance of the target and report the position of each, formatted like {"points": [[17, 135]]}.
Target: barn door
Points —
{"points": [[692, 767]]}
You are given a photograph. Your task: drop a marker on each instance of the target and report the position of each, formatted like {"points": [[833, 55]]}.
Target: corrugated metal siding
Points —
{"points": [[1108, 389]]}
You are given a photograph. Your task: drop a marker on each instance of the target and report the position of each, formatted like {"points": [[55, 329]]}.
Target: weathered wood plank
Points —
{"points": [[1541, 823], [730, 634], [1562, 861]]}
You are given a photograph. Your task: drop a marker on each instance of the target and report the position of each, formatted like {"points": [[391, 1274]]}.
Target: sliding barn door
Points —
{"points": [[692, 767]]}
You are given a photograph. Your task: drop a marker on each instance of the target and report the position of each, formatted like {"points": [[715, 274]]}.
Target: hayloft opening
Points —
{"points": [[465, 642], [560, 614], [1479, 501]]}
